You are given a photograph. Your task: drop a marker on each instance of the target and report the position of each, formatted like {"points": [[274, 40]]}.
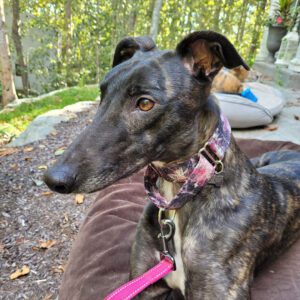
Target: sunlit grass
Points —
{"points": [[22, 115]]}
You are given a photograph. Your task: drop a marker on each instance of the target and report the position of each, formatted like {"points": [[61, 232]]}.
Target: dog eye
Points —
{"points": [[145, 104]]}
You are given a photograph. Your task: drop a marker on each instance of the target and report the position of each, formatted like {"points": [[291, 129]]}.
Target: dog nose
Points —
{"points": [[60, 179]]}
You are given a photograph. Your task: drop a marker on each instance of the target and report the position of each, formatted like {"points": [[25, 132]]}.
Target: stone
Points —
{"points": [[283, 77], [288, 48], [288, 128], [295, 62], [264, 55], [44, 124]]}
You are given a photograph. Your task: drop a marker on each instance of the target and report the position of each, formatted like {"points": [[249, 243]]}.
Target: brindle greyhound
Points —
{"points": [[156, 108]]}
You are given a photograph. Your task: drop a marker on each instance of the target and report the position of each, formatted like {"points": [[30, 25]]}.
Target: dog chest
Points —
{"points": [[175, 279]]}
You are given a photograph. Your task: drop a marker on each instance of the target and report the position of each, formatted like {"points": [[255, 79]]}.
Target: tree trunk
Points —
{"points": [[242, 22], [155, 19], [217, 12], [98, 45], [132, 18], [149, 14], [115, 19], [67, 39], [18, 45], [8, 87], [256, 30], [227, 16]]}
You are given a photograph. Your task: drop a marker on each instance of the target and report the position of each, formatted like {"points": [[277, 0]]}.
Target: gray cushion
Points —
{"points": [[243, 113]]}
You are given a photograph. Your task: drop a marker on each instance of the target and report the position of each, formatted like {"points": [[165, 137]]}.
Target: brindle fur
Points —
{"points": [[226, 231]]}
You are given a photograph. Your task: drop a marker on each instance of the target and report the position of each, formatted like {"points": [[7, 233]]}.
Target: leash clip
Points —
{"points": [[167, 231]]}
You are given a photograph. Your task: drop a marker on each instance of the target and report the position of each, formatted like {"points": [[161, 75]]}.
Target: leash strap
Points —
{"points": [[137, 285]]}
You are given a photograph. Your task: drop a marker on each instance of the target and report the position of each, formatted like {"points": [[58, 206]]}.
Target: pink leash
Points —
{"points": [[132, 288]]}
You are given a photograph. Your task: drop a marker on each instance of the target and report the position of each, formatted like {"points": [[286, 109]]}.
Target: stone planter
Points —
{"points": [[276, 33]]}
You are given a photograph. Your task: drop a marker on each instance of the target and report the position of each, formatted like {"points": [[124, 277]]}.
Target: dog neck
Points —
{"points": [[195, 172], [236, 166], [210, 117]]}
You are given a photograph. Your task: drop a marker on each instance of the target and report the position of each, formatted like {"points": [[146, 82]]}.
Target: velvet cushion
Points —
{"points": [[99, 261]]}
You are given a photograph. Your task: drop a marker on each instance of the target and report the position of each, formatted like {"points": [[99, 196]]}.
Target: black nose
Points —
{"points": [[61, 179]]}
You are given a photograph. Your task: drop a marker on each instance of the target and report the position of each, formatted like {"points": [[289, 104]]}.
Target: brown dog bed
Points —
{"points": [[99, 261]]}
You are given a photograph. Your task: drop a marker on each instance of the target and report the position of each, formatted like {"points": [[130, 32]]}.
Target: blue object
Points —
{"points": [[247, 93]]}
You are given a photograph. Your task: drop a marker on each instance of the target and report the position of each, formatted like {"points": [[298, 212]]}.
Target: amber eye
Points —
{"points": [[145, 104]]}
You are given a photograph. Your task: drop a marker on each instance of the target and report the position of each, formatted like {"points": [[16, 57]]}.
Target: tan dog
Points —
{"points": [[230, 81]]}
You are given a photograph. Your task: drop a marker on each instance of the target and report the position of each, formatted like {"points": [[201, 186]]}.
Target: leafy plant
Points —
{"points": [[283, 14], [97, 26]]}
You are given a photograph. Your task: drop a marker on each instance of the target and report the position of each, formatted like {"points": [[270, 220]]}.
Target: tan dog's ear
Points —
{"points": [[240, 72], [204, 53], [127, 47]]}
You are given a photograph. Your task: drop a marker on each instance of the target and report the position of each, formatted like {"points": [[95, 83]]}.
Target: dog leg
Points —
{"points": [[212, 275]]}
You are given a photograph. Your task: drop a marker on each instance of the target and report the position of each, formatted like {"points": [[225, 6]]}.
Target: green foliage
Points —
{"points": [[283, 14], [23, 114], [97, 25]]}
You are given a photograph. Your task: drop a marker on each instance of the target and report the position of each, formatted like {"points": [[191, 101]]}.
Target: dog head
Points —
{"points": [[154, 106]]}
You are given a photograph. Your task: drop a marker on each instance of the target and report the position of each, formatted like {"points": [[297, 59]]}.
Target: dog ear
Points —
{"points": [[129, 45], [204, 53]]}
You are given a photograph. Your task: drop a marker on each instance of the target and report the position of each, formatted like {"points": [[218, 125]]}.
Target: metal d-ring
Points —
{"points": [[219, 167]]}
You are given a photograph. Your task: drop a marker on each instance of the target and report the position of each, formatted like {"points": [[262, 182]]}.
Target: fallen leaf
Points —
{"points": [[48, 244], [79, 198], [271, 127], [20, 272], [20, 241], [38, 182], [28, 149], [28, 158], [66, 218], [42, 167], [13, 166], [47, 193], [58, 269], [59, 151], [48, 297], [7, 151], [297, 118]]}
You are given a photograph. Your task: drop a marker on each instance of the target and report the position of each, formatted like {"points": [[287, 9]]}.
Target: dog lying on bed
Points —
{"points": [[230, 81], [157, 111]]}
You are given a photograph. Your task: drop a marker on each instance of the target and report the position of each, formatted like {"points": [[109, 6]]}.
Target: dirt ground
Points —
{"points": [[31, 215]]}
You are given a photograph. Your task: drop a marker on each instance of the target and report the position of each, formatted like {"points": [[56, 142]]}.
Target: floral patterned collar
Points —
{"points": [[193, 173]]}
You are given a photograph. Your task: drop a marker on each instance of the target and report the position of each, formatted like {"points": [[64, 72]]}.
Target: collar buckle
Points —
{"points": [[212, 158]]}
